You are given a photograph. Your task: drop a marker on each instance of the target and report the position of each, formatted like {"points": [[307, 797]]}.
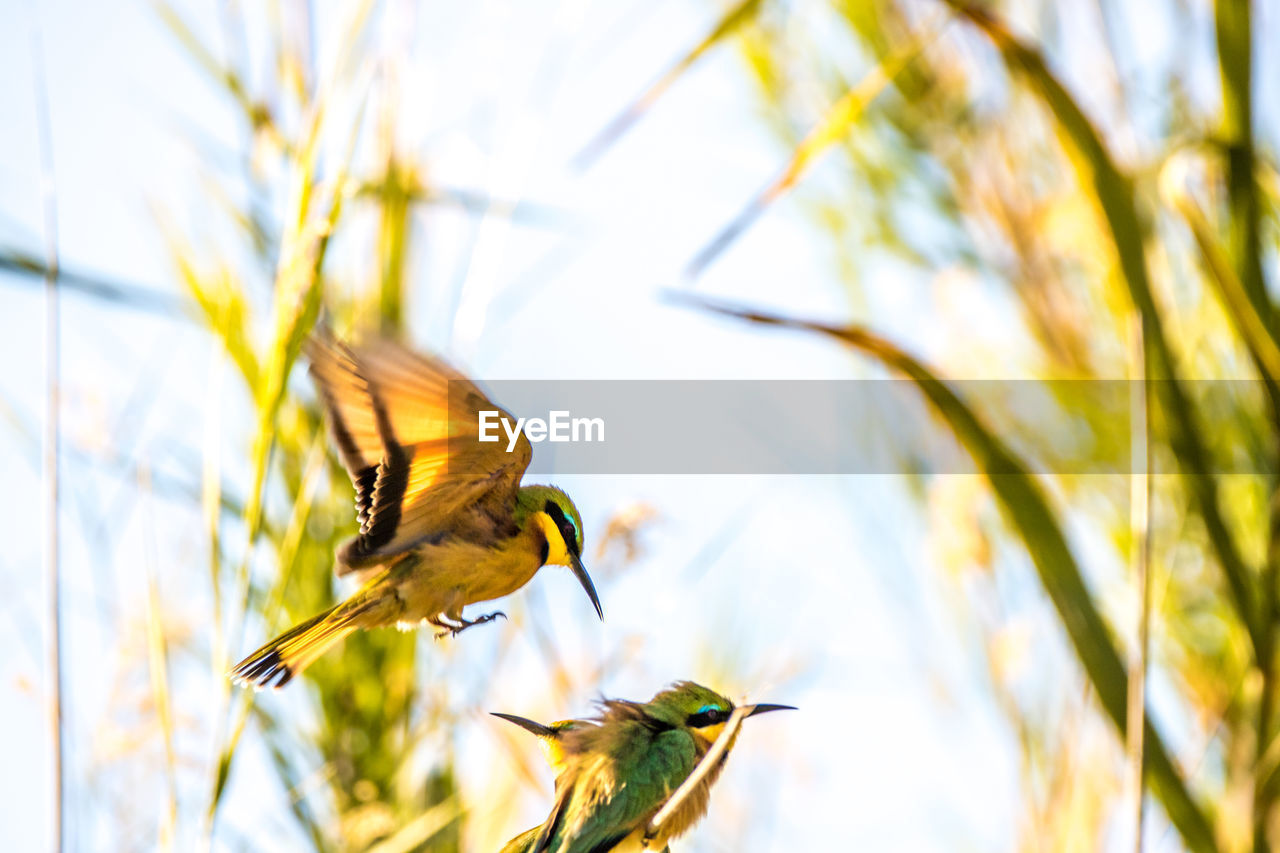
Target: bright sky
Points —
{"points": [[896, 745]]}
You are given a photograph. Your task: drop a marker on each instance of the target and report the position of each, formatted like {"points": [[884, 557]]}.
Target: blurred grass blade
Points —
{"points": [[1027, 508], [834, 126], [1115, 196], [1233, 26], [297, 528], [395, 191], [256, 114], [1140, 557], [51, 473], [286, 558], [297, 790], [226, 311], [116, 293], [1240, 307], [158, 664], [211, 502], [415, 834], [614, 130], [298, 296]]}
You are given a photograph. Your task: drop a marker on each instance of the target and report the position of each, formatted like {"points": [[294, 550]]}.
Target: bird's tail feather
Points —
{"points": [[276, 663]]}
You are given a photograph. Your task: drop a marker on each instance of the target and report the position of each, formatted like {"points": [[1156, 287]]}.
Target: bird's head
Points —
{"points": [[555, 515], [699, 710]]}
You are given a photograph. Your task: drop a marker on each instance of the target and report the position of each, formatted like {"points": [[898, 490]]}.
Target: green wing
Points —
{"points": [[608, 792]]}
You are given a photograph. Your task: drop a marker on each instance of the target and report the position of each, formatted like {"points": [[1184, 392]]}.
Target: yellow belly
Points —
{"points": [[451, 575]]}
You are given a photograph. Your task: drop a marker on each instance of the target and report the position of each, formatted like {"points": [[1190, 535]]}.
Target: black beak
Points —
{"points": [[580, 572], [764, 708], [528, 725]]}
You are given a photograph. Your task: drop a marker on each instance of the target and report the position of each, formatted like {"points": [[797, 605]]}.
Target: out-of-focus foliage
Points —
{"points": [[1021, 153], [989, 166]]}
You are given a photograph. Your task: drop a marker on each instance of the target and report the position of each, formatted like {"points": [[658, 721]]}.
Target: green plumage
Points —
{"points": [[620, 768]]}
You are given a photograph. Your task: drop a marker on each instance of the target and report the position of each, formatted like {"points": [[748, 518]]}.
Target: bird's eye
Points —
{"points": [[708, 715], [564, 523]]}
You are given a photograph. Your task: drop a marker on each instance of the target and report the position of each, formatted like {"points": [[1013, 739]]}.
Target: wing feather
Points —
{"points": [[406, 428], [612, 783]]}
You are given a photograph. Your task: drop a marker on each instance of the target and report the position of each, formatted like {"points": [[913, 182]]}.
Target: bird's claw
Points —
{"points": [[464, 624]]}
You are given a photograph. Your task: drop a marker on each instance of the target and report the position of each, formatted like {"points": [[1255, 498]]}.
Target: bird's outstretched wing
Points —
{"points": [[407, 429], [612, 785]]}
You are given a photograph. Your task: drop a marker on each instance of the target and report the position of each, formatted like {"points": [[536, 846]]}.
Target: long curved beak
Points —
{"points": [[580, 572], [764, 708], [528, 725]]}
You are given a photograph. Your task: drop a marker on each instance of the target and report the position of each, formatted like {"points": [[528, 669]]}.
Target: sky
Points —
{"points": [[896, 745]]}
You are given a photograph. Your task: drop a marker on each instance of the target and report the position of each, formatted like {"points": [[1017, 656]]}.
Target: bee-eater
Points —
{"points": [[444, 521], [617, 771]]}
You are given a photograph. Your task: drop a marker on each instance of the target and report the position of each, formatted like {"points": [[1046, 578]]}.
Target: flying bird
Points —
{"points": [[616, 771], [444, 519]]}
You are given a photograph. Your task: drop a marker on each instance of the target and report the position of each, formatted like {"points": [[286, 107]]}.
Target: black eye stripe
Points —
{"points": [[566, 528]]}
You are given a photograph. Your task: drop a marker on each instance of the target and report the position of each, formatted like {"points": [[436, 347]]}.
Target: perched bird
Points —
{"points": [[444, 521], [616, 771]]}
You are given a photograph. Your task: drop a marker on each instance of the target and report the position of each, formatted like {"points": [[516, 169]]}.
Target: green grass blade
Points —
{"points": [[1241, 308], [1233, 26], [395, 193]]}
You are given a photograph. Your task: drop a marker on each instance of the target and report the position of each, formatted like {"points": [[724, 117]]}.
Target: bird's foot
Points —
{"points": [[448, 628], [464, 624]]}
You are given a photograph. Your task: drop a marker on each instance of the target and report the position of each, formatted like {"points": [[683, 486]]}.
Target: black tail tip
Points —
{"points": [[267, 670]]}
